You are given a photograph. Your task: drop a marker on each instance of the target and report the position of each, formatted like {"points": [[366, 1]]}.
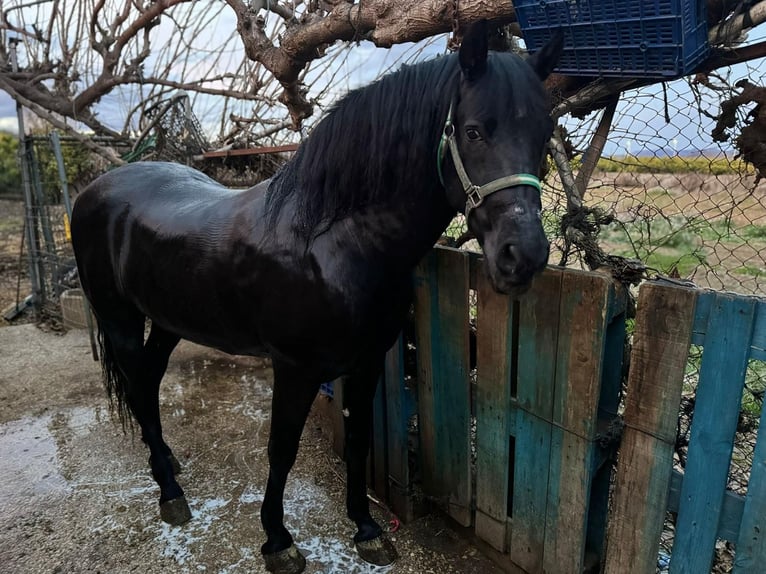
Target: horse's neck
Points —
{"points": [[397, 233]]}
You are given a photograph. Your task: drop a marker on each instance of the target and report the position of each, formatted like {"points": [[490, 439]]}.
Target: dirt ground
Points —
{"points": [[76, 495]]}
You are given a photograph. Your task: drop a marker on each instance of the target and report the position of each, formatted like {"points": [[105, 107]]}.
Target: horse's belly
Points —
{"points": [[245, 345], [203, 318]]}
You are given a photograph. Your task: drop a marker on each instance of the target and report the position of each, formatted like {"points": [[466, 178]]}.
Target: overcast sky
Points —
{"points": [[8, 121]]}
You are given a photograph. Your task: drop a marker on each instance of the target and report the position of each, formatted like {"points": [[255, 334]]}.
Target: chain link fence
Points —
{"points": [[50, 261]]}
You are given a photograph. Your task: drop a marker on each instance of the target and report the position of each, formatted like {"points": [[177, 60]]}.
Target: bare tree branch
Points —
{"points": [[383, 22], [106, 152], [78, 52]]}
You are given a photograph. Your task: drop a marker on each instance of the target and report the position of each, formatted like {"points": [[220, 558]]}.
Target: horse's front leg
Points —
{"points": [[294, 392], [358, 395]]}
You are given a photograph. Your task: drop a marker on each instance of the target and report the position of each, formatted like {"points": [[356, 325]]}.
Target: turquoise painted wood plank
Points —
{"points": [[569, 494], [719, 393], [538, 334], [450, 346], [608, 405], [705, 301], [758, 343], [442, 310], [530, 479], [731, 509], [398, 412], [495, 320], [750, 555]]}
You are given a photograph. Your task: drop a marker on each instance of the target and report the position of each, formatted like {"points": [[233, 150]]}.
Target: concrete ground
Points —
{"points": [[76, 495]]}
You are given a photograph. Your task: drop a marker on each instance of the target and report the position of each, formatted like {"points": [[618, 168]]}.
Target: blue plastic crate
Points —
{"points": [[628, 38]]}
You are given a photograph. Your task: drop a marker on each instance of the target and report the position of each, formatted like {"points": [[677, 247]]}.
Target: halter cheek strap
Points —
{"points": [[475, 193]]}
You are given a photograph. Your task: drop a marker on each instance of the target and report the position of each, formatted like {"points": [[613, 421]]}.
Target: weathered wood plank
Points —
{"points": [[750, 556], [584, 309], [716, 411], [583, 317], [398, 412], [661, 341], [493, 392], [444, 410], [538, 334]]}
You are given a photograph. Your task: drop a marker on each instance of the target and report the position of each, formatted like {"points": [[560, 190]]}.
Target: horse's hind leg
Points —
{"points": [[135, 374], [157, 349], [156, 353], [358, 395]]}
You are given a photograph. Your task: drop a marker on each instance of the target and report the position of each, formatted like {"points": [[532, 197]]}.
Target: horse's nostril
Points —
{"points": [[512, 252], [509, 258]]}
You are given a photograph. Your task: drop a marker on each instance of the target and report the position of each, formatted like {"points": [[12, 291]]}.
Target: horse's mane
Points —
{"points": [[381, 140], [371, 144]]}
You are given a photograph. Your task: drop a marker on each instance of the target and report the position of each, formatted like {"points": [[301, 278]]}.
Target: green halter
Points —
{"points": [[475, 193]]}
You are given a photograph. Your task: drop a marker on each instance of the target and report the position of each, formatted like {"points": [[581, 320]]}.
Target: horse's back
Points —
{"points": [[170, 199], [157, 187], [148, 237]]}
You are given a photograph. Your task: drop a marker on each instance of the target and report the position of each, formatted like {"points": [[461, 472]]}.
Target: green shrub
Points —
{"points": [[10, 174]]}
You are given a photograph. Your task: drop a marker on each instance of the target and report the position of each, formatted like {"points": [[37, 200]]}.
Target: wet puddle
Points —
{"points": [[216, 414], [30, 465]]}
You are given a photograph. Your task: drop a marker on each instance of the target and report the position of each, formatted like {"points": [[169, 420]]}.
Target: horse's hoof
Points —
{"points": [[378, 551], [175, 512], [177, 468], [287, 561]]}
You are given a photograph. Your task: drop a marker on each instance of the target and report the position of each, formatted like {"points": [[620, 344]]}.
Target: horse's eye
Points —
{"points": [[472, 134]]}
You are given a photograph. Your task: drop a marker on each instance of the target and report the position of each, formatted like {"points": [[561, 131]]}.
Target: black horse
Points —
{"points": [[314, 266]]}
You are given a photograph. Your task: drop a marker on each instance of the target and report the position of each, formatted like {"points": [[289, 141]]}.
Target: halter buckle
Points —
{"points": [[474, 197]]}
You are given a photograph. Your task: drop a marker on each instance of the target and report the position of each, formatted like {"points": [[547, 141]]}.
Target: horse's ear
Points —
{"points": [[473, 50], [545, 59]]}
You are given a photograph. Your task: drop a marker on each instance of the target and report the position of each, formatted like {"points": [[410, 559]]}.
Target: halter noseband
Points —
{"points": [[475, 193]]}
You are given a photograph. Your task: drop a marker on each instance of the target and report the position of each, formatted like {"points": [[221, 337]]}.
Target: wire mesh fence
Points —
{"points": [[51, 264]]}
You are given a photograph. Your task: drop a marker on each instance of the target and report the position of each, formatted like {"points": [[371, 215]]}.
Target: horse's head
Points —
{"points": [[492, 149]]}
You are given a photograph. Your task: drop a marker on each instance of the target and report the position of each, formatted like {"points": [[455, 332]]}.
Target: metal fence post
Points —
{"points": [[29, 226]]}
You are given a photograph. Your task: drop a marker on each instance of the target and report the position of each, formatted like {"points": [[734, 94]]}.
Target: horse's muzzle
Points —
{"points": [[515, 264]]}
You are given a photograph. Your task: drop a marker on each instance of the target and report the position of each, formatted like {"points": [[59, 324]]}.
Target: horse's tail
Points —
{"points": [[115, 381]]}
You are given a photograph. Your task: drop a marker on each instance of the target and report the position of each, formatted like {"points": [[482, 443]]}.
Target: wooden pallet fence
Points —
{"points": [[544, 380], [732, 331], [514, 453]]}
